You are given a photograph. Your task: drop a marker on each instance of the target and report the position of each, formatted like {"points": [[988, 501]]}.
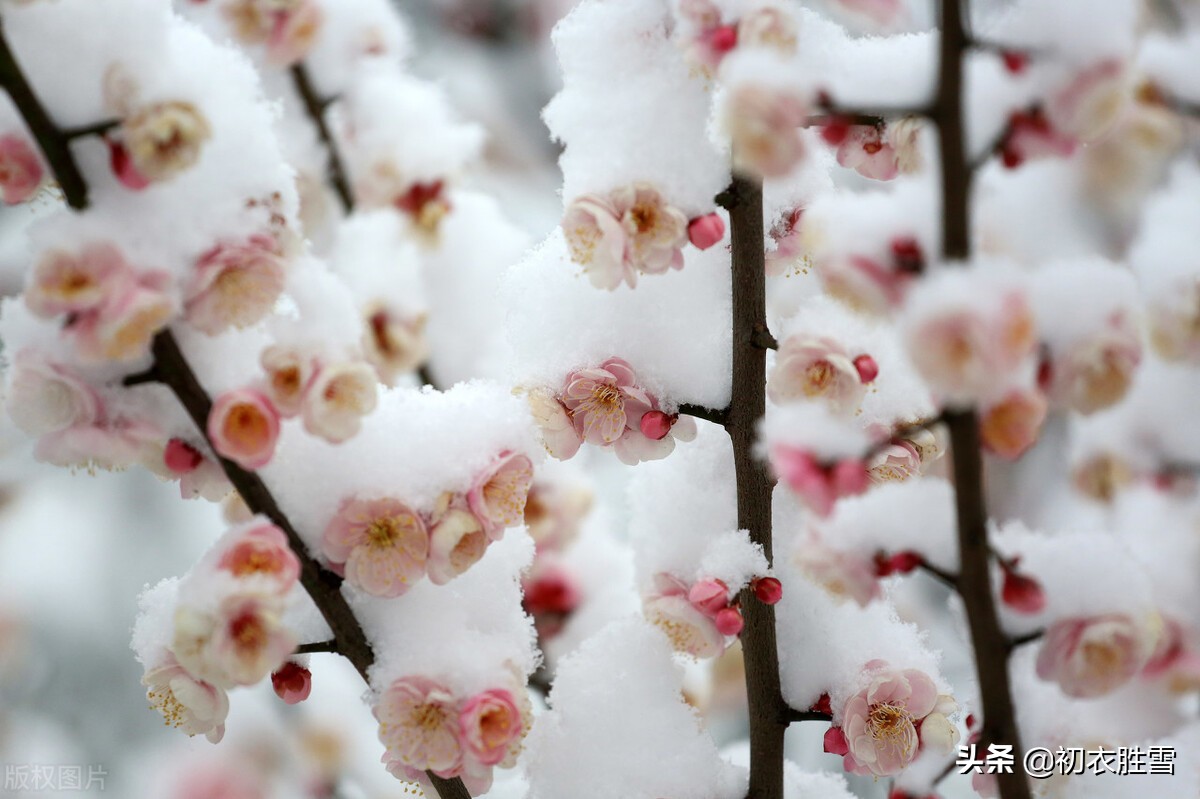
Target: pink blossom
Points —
{"points": [[551, 594], [712, 44], [46, 398], [1032, 136], [768, 27], [292, 682], [419, 725], [1174, 322], [165, 139], [819, 485], [904, 137], [842, 574], [554, 421], [709, 596], [866, 151], [1093, 656], [180, 457], [294, 33], [106, 443], [655, 232], [240, 643], [1096, 373], [235, 285], [381, 544], [394, 344], [63, 282], [1011, 426], [896, 462], [654, 436], [457, 540], [812, 367], [497, 497], [489, 723], [602, 400], [186, 703], [554, 512], [689, 629], [339, 397], [964, 352], [706, 231], [21, 170], [289, 375], [597, 241], [879, 723], [764, 126], [476, 777], [123, 168], [243, 426], [863, 283], [198, 476], [426, 204], [788, 237], [1094, 101], [263, 550], [222, 779], [123, 328]]}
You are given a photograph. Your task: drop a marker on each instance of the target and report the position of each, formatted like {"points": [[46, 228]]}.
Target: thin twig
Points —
{"points": [[318, 646], [316, 106], [941, 575], [1027, 638], [720, 417], [791, 715], [98, 129]]}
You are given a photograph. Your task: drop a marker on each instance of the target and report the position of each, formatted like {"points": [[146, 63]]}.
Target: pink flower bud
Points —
{"points": [[907, 255], [123, 167], [868, 370], [180, 457], [1022, 594], [655, 425], [722, 40], [904, 562], [710, 597], [705, 231], [729, 621], [292, 683], [835, 741], [768, 590], [823, 704], [1014, 61]]}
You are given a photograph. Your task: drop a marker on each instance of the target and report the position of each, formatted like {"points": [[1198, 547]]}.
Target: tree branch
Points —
{"points": [[319, 646], [944, 577], [1027, 638], [55, 145], [974, 584], [791, 716], [744, 201], [720, 417], [315, 106]]}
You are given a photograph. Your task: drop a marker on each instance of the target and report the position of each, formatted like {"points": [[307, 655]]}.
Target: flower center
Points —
{"points": [[427, 717], [606, 397], [383, 533], [819, 376], [890, 724], [248, 632], [494, 725], [164, 701], [644, 216]]}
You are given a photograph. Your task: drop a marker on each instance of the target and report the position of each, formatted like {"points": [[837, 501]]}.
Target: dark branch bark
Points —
{"points": [[974, 582], [743, 199], [792, 716], [1027, 638], [319, 646], [315, 106], [99, 129], [55, 145], [944, 577], [720, 417]]}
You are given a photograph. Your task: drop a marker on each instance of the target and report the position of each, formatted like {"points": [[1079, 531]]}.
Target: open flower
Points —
{"points": [[1031, 136], [1090, 657], [419, 725], [655, 232], [65, 282], [554, 422], [235, 285], [1093, 101], [1011, 426], [242, 642], [46, 398], [1174, 320], [819, 484], [457, 539], [123, 328], [340, 395], [293, 33], [810, 367], [596, 240], [788, 236], [868, 152], [187, 704], [165, 139], [380, 544], [394, 344], [20, 169], [243, 426], [602, 400], [896, 462], [489, 722], [878, 732], [687, 627], [863, 283], [843, 574], [262, 550], [1096, 373], [289, 374], [498, 495], [764, 126], [654, 436]]}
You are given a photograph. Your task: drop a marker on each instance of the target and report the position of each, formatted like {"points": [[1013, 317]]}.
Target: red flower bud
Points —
{"points": [[867, 368], [292, 683], [729, 621], [768, 590]]}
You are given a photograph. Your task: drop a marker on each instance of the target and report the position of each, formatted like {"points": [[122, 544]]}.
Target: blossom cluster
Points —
{"points": [[606, 406], [382, 546], [701, 618]]}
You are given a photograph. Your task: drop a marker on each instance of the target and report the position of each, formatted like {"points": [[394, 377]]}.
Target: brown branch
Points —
{"points": [[941, 575], [1027, 638], [98, 129], [55, 145], [762, 338], [315, 106], [319, 646], [743, 199], [720, 416], [791, 716], [975, 583]]}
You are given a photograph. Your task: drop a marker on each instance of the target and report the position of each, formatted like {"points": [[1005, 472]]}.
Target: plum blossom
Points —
{"points": [[419, 725], [1093, 656], [768, 27], [1021, 592], [235, 285], [789, 247], [706, 231], [243, 426], [555, 423], [879, 13], [164, 139], [655, 436], [289, 375], [262, 550], [1097, 371], [1093, 101], [380, 544], [863, 283], [457, 539], [1174, 321], [602, 400], [394, 344], [21, 170], [186, 703], [903, 136], [551, 594], [818, 484], [632, 230], [489, 723], [689, 628], [339, 396], [843, 574], [1011, 426], [878, 734], [897, 461], [1102, 476], [292, 682], [46, 398], [764, 126], [498, 495], [867, 151], [65, 282], [106, 443], [425, 204], [240, 643], [293, 33], [554, 512], [816, 367], [1030, 136]]}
